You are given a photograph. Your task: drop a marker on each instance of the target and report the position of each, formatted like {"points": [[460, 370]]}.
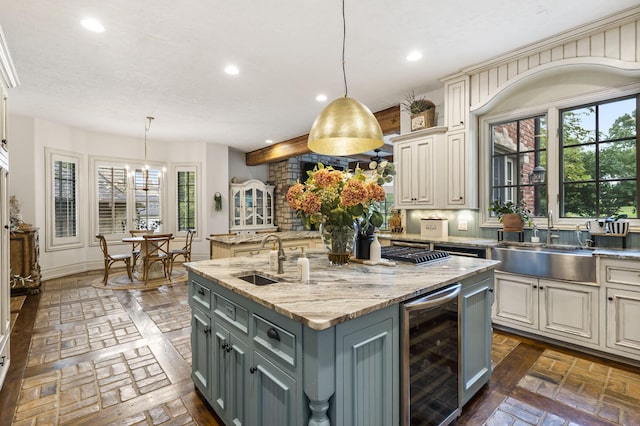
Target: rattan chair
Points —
{"points": [[155, 248], [185, 251], [110, 259]]}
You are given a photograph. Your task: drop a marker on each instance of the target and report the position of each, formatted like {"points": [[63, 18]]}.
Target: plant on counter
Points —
{"points": [[334, 200], [501, 208]]}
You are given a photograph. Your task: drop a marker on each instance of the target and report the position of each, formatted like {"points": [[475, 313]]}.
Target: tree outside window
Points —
{"points": [[600, 159]]}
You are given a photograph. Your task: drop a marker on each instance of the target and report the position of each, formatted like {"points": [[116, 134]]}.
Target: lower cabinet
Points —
{"points": [[559, 309], [476, 336], [230, 372], [621, 281], [273, 395]]}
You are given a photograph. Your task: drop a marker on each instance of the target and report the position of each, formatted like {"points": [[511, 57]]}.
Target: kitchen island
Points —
{"points": [[326, 352]]}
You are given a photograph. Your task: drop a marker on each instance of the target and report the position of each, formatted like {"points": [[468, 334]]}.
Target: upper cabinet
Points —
{"points": [[435, 170], [252, 206], [456, 103]]}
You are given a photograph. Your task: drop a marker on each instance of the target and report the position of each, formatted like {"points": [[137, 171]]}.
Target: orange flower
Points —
{"points": [[295, 195], [311, 203], [353, 193], [325, 178], [375, 191]]}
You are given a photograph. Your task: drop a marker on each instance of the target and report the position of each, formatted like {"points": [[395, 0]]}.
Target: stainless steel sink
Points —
{"points": [[257, 279], [559, 263]]}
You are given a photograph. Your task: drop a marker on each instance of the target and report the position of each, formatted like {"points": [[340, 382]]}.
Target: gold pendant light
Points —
{"points": [[345, 126]]}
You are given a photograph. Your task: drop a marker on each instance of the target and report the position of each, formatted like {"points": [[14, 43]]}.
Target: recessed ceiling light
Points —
{"points": [[269, 141], [414, 56], [321, 98], [231, 70], [92, 25]]}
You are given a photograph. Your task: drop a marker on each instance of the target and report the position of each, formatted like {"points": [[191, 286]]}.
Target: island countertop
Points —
{"points": [[335, 294], [257, 238]]}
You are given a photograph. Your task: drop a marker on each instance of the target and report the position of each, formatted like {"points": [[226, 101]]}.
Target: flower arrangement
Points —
{"points": [[415, 105], [341, 197]]}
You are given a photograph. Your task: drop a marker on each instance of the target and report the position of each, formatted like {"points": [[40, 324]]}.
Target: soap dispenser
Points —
{"points": [[303, 268]]}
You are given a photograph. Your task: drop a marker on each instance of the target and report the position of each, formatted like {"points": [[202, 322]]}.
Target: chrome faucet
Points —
{"points": [[550, 235], [281, 256]]}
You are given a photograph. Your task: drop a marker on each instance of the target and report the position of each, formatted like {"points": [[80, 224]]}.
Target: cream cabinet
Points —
{"points": [[291, 248], [621, 279], [415, 165], [556, 309], [456, 103], [434, 170], [5, 291], [252, 206]]}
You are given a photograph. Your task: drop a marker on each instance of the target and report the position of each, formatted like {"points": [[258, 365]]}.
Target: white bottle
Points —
{"points": [[303, 268], [375, 250], [273, 259]]}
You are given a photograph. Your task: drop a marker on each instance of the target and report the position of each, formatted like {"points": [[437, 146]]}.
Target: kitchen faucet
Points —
{"points": [[281, 256], [550, 235]]}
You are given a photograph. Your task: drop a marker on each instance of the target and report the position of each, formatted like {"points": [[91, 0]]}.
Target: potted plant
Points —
{"points": [[422, 111], [511, 215]]}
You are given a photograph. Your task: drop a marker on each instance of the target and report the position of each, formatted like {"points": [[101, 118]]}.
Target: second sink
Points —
{"points": [[257, 279]]}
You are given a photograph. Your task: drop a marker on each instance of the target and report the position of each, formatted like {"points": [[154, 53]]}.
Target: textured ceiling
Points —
{"points": [[166, 58]]}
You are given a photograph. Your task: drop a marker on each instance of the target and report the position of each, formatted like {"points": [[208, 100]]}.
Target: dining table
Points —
{"points": [[155, 270]]}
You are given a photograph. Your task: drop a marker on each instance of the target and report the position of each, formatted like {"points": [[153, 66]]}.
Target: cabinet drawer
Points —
{"points": [[622, 275], [234, 314], [275, 340], [200, 295]]}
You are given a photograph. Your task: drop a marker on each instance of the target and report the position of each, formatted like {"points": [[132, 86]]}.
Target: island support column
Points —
{"points": [[319, 373]]}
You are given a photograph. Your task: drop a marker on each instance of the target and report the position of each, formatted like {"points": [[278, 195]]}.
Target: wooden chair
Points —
{"points": [[155, 248], [110, 259], [135, 249], [184, 251]]}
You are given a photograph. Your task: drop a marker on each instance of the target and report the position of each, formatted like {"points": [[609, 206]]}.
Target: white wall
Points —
{"points": [[28, 138], [239, 169]]}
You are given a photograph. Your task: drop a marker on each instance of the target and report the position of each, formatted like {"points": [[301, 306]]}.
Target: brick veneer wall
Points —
{"points": [[283, 174]]}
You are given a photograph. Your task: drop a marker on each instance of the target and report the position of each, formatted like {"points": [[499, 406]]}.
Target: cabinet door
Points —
{"points": [[456, 105], [414, 184], [570, 310], [200, 351], [230, 375], [5, 291], [368, 372], [273, 395], [475, 308], [457, 169], [623, 311], [516, 302], [403, 182]]}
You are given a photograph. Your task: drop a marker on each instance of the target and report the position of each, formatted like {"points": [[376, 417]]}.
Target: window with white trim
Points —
{"points": [[186, 196], [63, 230]]}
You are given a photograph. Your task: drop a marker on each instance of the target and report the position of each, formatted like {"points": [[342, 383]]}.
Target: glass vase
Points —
{"points": [[338, 240]]}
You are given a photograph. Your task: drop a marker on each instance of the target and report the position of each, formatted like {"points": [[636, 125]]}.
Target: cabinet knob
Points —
{"points": [[253, 370], [207, 329], [490, 290], [2, 362], [461, 122], [610, 299], [272, 333], [535, 286], [201, 291], [6, 227], [541, 288]]}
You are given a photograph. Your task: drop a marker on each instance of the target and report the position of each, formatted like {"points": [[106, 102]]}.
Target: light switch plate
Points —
{"points": [[462, 225]]}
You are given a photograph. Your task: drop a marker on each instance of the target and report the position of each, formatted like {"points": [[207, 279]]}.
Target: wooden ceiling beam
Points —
{"points": [[389, 120]]}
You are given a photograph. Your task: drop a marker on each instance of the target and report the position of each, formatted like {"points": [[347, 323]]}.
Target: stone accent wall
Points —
{"points": [[283, 174]]}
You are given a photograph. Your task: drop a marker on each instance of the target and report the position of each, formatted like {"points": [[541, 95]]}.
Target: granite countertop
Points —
{"points": [[617, 253], [336, 294], [464, 241], [257, 238]]}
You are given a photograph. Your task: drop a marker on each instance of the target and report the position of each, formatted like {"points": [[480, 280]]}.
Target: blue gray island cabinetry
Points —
{"points": [[325, 352]]}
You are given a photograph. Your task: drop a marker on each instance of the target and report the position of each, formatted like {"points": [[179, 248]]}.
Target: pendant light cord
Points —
{"points": [[344, 38], [147, 126]]}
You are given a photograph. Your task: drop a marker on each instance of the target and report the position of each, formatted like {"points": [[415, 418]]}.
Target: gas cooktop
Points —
{"points": [[415, 255]]}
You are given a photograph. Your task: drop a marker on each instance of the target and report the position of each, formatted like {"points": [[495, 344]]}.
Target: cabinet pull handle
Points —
{"points": [[207, 329], [225, 346], [272, 333], [253, 370], [490, 290], [201, 291]]}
